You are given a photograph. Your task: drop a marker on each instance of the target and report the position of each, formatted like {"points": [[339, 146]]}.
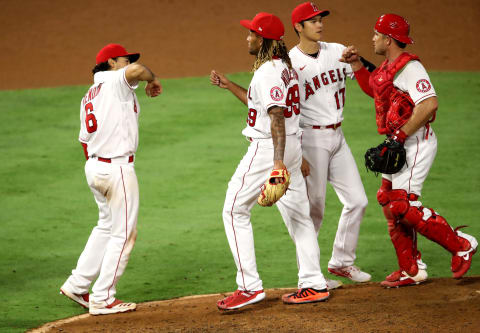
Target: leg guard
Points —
{"points": [[434, 227], [405, 244], [403, 238], [410, 212]]}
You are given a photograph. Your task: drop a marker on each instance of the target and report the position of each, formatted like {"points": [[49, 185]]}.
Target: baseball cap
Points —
{"points": [[394, 26], [306, 11], [113, 51], [266, 25]]}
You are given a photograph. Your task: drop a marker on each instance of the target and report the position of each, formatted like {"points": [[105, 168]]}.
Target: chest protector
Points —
{"points": [[392, 107]]}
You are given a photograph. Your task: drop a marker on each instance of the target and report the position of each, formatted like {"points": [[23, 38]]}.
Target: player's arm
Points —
{"points": [[351, 56], [136, 72], [422, 113], [277, 127], [218, 79]]}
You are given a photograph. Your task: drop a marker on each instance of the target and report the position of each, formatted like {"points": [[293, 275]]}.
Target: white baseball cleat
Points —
{"points": [[333, 284], [351, 272], [81, 299], [116, 307]]}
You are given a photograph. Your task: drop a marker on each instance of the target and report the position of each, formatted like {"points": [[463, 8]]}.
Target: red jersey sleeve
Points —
{"points": [[363, 77]]}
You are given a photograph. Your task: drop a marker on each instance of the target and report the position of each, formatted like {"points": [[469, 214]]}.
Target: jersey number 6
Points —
{"points": [[90, 120]]}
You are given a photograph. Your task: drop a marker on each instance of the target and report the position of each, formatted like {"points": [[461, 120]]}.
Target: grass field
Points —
{"points": [[190, 144]]}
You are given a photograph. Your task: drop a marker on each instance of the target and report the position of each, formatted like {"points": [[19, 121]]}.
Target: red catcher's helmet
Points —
{"points": [[394, 26]]}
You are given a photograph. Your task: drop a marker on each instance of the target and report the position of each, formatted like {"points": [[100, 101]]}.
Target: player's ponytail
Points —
{"points": [[271, 48]]}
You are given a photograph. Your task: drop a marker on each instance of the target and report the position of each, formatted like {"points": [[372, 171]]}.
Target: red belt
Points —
{"points": [[109, 160], [334, 126]]}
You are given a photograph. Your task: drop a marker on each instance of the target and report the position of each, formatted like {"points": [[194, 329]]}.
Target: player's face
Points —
{"points": [[380, 43], [121, 62], [312, 29], [254, 42]]}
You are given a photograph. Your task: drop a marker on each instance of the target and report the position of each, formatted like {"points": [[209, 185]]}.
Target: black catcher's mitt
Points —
{"points": [[389, 157]]}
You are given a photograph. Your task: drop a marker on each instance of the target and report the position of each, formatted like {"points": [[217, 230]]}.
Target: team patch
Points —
{"points": [[423, 86], [276, 93]]}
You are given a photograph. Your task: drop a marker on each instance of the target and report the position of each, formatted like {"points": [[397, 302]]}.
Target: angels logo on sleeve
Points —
{"points": [[423, 85], [276, 93]]}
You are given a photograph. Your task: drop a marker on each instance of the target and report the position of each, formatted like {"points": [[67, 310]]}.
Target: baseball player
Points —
{"points": [[405, 105], [109, 135], [272, 99], [326, 154]]}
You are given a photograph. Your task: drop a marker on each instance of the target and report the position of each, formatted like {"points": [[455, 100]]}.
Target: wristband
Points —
{"points": [[399, 136]]}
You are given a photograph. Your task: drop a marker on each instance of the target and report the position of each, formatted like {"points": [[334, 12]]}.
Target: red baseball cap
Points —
{"points": [[266, 25], [306, 11], [394, 26], [113, 51]]}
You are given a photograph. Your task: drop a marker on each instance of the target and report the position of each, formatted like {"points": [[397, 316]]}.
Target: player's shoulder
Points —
{"points": [[415, 65], [271, 68], [413, 68], [334, 47]]}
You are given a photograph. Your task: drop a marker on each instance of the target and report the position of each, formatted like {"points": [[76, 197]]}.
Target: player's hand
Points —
{"points": [[218, 79], [278, 164], [153, 88], [350, 55], [305, 168]]}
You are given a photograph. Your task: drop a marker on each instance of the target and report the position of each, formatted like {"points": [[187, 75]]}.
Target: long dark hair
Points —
{"points": [[271, 48]]}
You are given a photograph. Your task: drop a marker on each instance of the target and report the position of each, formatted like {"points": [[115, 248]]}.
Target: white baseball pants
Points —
{"points": [[242, 193], [115, 189], [421, 150], [331, 160]]}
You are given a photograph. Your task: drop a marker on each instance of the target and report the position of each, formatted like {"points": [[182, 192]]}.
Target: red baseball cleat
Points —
{"points": [[306, 295], [240, 298], [402, 279], [462, 260]]}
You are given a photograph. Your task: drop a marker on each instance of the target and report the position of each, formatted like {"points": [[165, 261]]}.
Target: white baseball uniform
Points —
{"points": [[109, 133], [421, 147], [272, 85], [322, 98]]}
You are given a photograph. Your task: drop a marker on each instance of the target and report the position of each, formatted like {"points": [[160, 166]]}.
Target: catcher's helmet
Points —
{"points": [[394, 26]]}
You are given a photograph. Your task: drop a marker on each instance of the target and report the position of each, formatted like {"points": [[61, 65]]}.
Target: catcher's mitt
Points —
{"points": [[272, 191], [389, 157]]}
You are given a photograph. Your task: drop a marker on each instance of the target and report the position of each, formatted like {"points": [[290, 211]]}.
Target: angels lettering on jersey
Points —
{"points": [[323, 79]]}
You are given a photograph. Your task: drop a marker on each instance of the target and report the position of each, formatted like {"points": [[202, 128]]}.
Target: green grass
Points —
{"points": [[190, 144]]}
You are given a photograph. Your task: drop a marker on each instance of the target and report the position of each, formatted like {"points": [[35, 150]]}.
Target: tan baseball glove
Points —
{"points": [[274, 188]]}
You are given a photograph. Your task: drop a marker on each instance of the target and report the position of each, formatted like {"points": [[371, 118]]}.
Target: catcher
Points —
{"points": [[405, 105]]}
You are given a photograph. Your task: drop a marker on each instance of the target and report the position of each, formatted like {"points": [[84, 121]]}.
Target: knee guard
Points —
{"points": [[400, 202], [382, 198], [382, 193]]}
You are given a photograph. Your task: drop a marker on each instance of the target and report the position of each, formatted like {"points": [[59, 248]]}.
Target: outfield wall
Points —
{"points": [[54, 43]]}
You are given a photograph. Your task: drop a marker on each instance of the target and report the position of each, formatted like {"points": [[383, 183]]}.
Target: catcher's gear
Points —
{"points": [[389, 157], [273, 191]]}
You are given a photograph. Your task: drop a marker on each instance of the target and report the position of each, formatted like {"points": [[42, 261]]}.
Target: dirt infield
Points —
{"points": [[54, 43], [439, 305]]}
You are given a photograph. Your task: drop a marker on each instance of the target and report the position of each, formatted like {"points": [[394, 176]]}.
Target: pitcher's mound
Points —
{"points": [[438, 305]]}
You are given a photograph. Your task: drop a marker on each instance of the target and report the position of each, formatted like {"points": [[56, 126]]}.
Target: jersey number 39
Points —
{"points": [[292, 102]]}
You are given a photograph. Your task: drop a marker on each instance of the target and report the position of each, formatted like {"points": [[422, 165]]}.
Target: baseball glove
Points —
{"points": [[273, 191], [389, 157]]}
